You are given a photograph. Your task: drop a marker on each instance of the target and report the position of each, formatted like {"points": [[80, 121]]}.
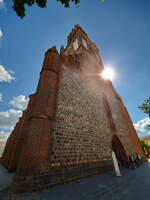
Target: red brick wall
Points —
{"points": [[66, 132]]}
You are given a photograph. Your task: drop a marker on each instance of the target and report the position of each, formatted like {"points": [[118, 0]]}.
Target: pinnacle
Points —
{"points": [[52, 49]]}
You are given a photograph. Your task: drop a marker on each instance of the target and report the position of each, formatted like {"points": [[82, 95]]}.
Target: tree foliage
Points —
{"points": [[145, 107], [145, 146], [19, 5]]}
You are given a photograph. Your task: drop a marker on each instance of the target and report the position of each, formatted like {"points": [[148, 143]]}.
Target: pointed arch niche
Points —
{"points": [[119, 150]]}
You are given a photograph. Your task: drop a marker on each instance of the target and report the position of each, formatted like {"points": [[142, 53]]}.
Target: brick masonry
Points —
{"points": [[67, 129]]}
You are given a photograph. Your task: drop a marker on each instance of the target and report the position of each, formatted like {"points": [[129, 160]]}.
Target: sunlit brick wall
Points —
{"points": [[82, 132]]}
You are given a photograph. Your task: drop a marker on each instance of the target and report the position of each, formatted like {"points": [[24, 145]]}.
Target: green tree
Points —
{"points": [[145, 107], [19, 5], [145, 146]]}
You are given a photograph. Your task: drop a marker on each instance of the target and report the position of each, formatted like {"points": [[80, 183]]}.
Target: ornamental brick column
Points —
{"points": [[14, 148], [34, 155], [10, 149]]}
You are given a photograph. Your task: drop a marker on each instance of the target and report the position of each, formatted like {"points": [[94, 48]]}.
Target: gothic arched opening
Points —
{"points": [[118, 148]]}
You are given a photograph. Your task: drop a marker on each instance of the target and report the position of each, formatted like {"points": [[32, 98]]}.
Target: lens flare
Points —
{"points": [[108, 73]]}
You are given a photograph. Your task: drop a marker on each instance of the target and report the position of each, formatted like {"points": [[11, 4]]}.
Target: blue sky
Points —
{"points": [[120, 29]]}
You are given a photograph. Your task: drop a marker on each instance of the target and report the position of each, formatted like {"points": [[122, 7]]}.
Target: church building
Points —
{"points": [[72, 122]]}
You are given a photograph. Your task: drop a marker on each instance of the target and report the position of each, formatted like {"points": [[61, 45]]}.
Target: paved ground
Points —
{"points": [[133, 185], [5, 178]]}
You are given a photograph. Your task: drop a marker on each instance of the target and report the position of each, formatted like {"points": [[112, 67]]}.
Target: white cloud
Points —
{"points": [[5, 76], [142, 126], [2, 5], [4, 135], [1, 33], [19, 102], [0, 96], [9, 118]]}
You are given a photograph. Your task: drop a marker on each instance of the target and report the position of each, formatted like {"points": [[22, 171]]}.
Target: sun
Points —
{"points": [[108, 73]]}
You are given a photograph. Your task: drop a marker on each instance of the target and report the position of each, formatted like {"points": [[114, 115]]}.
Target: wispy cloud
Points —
{"points": [[142, 126], [9, 118], [1, 33], [19, 102], [5, 76], [4, 135], [2, 5], [0, 96]]}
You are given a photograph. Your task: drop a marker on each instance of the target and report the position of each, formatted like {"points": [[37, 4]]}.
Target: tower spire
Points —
{"points": [[77, 40]]}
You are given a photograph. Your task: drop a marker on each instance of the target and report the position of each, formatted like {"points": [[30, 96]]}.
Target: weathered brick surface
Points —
{"points": [[136, 145], [121, 129], [82, 129]]}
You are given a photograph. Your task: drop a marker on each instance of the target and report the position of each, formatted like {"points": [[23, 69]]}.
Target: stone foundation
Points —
{"points": [[60, 175]]}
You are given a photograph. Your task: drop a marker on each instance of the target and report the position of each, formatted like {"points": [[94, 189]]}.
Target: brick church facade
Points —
{"points": [[72, 122]]}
